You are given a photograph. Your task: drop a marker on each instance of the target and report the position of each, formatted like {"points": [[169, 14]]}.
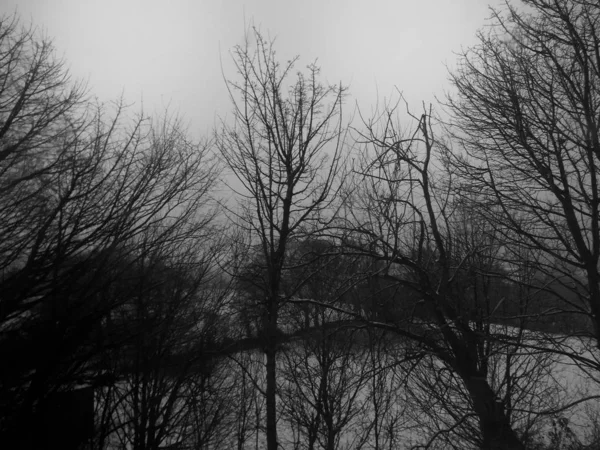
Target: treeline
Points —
{"points": [[417, 280]]}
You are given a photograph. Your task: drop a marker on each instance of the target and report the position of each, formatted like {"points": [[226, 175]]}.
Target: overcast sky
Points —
{"points": [[170, 52]]}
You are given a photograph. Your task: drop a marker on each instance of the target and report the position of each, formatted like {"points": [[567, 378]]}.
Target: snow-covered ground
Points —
{"points": [[360, 397]]}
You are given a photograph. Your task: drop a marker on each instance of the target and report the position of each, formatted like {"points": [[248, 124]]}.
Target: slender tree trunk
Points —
{"points": [[594, 300], [271, 367]]}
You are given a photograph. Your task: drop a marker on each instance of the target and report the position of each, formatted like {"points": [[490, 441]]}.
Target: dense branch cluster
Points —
{"points": [[415, 280]]}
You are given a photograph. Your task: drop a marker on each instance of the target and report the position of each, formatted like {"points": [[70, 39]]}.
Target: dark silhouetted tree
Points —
{"points": [[526, 133], [284, 146], [81, 186]]}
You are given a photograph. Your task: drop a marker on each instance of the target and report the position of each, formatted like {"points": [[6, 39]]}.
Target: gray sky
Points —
{"points": [[168, 53]]}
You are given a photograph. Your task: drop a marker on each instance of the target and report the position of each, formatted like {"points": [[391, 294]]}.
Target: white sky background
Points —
{"points": [[168, 53]]}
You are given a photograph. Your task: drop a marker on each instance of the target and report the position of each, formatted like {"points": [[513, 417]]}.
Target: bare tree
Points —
{"points": [[248, 377], [525, 118], [385, 421], [80, 186], [322, 373], [39, 106], [173, 389], [284, 146], [322, 378], [405, 214]]}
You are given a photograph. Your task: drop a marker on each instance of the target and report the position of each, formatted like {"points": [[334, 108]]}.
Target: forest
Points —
{"points": [[306, 277]]}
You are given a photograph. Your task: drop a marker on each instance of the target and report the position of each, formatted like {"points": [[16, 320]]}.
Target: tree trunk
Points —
{"points": [[594, 299], [271, 367], [496, 430]]}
